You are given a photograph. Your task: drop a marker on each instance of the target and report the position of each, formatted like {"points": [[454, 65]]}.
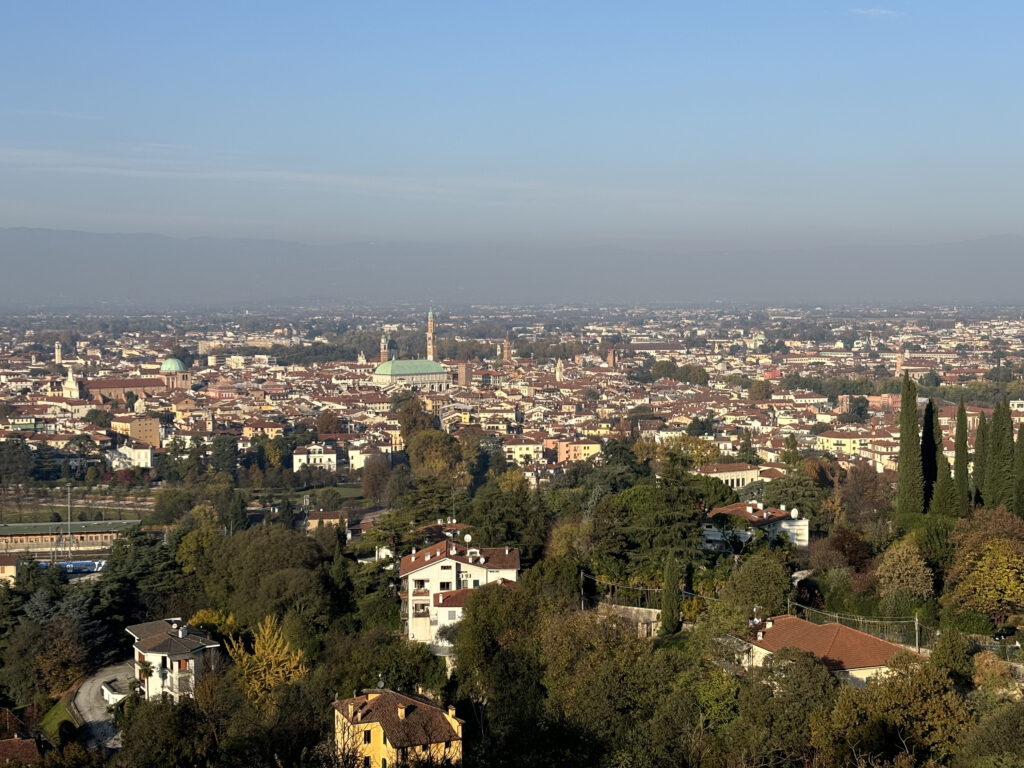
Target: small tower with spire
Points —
{"points": [[430, 334]]}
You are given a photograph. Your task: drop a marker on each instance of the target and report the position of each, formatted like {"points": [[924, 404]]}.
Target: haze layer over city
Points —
{"points": [[511, 385], [772, 152]]}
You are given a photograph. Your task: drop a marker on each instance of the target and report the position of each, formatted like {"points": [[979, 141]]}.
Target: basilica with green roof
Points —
{"points": [[427, 375]]}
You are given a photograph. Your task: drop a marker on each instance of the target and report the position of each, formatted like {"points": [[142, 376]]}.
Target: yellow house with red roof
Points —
{"points": [[385, 729]]}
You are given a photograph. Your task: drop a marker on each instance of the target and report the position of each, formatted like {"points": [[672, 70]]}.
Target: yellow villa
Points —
{"points": [[385, 728]]}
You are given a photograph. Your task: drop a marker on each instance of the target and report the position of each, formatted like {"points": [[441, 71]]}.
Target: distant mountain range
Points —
{"points": [[45, 268]]}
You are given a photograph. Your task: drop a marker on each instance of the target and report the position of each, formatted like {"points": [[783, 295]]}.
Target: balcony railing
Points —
{"points": [[421, 591]]}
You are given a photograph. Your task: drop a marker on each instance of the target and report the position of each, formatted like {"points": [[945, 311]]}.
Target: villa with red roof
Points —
{"points": [[853, 656], [437, 579], [730, 527]]}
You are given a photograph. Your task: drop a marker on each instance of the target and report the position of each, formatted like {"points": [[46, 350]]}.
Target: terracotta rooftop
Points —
{"points": [[839, 647], [503, 558], [423, 722], [18, 752]]}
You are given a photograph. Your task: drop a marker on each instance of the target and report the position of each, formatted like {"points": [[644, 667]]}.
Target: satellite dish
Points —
{"points": [[467, 538]]}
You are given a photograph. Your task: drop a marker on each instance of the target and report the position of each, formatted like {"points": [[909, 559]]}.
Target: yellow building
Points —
{"points": [[10, 569], [385, 728]]}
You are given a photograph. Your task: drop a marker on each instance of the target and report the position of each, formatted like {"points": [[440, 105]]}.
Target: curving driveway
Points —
{"points": [[92, 708]]}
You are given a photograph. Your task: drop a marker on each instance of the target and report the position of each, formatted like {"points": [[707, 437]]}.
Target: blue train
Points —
{"points": [[78, 566]]}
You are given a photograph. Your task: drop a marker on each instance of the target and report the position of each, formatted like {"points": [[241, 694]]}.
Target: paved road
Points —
{"points": [[93, 709]]}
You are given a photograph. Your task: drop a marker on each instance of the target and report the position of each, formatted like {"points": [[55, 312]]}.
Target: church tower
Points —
{"points": [[506, 352], [430, 334], [58, 357], [71, 388], [384, 341]]}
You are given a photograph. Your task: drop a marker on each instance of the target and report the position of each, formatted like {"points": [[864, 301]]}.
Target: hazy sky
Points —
{"points": [[655, 124]]}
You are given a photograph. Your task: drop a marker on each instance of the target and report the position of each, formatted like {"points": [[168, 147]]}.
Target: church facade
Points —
{"points": [[173, 376]]}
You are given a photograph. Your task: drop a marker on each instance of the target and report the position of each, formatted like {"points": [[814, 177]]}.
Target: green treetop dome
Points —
{"points": [[172, 365]]}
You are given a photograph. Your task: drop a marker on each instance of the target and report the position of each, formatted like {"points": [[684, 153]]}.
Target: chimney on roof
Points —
{"points": [[750, 510], [351, 710], [782, 507], [760, 505], [507, 550], [760, 635], [769, 624], [183, 630], [451, 710], [401, 711]]}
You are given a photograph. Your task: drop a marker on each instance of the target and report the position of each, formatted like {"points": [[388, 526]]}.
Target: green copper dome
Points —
{"points": [[172, 365]]}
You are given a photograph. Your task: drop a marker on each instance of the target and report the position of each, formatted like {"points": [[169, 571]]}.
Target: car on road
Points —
{"points": [[1004, 632]]}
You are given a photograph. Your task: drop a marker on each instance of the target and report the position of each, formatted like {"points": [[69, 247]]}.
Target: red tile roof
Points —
{"points": [[503, 558], [18, 751], [839, 647], [423, 721]]}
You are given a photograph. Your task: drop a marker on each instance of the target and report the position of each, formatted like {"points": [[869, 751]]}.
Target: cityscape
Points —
{"points": [[511, 385]]}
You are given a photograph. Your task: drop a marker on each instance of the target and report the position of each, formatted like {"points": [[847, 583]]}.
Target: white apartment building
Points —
{"points": [[315, 455], [169, 657], [437, 579]]}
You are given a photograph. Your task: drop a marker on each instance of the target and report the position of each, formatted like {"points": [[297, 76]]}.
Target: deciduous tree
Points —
{"points": [[272, 662]]}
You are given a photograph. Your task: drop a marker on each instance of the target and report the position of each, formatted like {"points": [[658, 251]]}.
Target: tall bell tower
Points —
{"points": [[384, 341], [430, 334]]}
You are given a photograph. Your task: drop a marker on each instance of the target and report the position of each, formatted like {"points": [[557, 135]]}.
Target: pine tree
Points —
{"points": [[670, 598], [931, 447], [791, 454], [944, 499], [910, 481], [1018, 473], [980, 452], [747, 452], [999, 483], [960, 478]]}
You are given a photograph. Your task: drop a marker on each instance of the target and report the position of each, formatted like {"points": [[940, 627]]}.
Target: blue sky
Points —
{"points": [[661, 125]]}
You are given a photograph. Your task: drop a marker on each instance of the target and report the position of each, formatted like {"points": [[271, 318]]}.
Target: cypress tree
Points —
{"points": [[944, 498], [999, 484], [980, 452], [910, 481], [1018, 473], [670, 598], [961, 461], [931, 447]]}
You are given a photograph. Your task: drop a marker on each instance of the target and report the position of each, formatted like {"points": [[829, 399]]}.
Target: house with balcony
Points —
{"points": [[169, 657], [437, 579], [731, 527]]}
